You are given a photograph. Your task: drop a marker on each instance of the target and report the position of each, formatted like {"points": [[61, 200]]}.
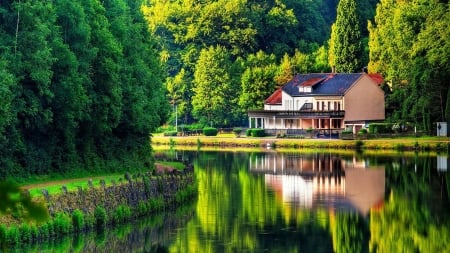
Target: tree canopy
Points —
{"points": [[409, 45], [81, 87], [279, 33]]}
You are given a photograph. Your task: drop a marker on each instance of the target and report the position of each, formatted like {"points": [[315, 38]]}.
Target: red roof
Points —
{"points": [[275, 98], [378, 78]]}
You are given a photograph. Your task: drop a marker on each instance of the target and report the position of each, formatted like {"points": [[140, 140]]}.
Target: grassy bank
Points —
{"points": [[402, 144], [78, 205]]}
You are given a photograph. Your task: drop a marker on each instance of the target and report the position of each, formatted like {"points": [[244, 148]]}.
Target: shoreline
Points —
{"points": [[400, 144]]}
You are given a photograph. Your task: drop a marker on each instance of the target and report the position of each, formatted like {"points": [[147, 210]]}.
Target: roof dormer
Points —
{"points": [[307, 86]]}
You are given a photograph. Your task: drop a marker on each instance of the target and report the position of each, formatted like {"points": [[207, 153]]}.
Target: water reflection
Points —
{"points": [[322, 180], [301, 202]]}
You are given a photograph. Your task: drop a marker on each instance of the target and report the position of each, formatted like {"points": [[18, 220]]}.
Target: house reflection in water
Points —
{"points": [[322, 180]]}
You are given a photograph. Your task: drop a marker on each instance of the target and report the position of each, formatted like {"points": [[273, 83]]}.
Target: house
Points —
{"points": [[327, 103]]}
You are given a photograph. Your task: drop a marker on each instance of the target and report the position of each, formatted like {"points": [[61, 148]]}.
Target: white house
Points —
{"points": [[325, 102]]}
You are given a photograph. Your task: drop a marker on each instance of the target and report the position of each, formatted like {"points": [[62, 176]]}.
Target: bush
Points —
{"points": [[77, 220], [381, 128], [362, 131], [210, 131], [13, 235], [62, 223], [25, 233], [248, 132], [258, 132], [121, 214], [101, 218]]}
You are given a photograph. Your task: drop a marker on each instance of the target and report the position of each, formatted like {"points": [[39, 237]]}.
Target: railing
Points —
{"points": [[305, 114]]}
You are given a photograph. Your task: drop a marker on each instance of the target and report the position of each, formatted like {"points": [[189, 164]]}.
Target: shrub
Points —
{"points": [[101, 218], [381, 128], [25, 233], [170, 133], [142, 208], [77, 220], [2, 233], [210, 131], [121, 214], [258, 132], [62, 223], [362, 131], [248, 132], [43, 231], [237, 131], [12, 235]]}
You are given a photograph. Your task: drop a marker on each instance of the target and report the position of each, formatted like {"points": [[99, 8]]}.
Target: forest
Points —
{"points": [[224, 57], [85, 82], [81, 87]]}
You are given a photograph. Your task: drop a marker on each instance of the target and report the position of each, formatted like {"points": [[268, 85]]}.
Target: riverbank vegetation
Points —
{"points": [[83, 206], [400, 144], [81, 88]]}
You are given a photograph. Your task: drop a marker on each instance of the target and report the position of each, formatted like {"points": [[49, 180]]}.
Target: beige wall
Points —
{"points": [[364, 101]]}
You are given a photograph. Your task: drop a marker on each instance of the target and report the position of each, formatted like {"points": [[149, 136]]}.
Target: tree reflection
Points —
{"points": [[415, 217]]}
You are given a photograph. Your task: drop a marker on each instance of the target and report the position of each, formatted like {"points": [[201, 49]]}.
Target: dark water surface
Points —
{"points": [[272, 201]]}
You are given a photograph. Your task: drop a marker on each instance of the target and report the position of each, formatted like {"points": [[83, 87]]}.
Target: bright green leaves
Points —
{"points": [[215, 91], [409, 45], [346, 39]]}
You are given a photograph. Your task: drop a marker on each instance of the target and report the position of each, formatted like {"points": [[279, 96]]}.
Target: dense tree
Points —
{"points": [[409, 46], [346, 38], [257, 81], [216, 90], [242, 28], [81, 86]]}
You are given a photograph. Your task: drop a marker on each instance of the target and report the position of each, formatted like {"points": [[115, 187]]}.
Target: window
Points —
{"points": [[329, 106], [317, 106]]}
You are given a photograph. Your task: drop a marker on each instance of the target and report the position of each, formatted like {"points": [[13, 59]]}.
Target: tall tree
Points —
{"points": [[216, 90], [257, 81], [346, 38], [409, 46]]}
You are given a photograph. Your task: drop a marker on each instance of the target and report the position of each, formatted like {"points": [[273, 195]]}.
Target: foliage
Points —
{"points": [[409, 45], [265, 42], [121, 214], [380, 128], [81, 86], [346, 38], [258, 132], [101, 217], [209, 131], [170, 133], [78, 220]]}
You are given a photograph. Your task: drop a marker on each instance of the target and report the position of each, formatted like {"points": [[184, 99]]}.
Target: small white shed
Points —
{"points": [[441, 129]]}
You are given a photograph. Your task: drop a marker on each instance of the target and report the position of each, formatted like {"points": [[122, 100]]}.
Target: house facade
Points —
{"points": [[328, 103]]}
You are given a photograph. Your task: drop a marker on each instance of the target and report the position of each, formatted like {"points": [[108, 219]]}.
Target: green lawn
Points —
{"points": [[55, 186]]}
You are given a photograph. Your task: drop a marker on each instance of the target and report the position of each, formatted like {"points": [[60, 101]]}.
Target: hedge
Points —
{"points": [[210, 131]]}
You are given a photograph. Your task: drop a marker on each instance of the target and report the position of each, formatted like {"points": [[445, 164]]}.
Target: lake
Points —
{"points": [[315, 201]]}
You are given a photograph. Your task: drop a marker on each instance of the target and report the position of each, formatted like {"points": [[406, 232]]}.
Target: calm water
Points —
{"points": [[295, 202]]}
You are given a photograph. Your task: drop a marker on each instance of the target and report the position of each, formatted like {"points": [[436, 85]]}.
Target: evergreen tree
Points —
{"points": [[346, 39]]}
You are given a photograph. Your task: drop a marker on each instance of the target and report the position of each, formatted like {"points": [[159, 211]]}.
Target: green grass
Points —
{"points": [[71, 184], [176, 165], [55, 186]]}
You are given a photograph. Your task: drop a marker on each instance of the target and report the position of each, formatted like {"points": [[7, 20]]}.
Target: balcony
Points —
{"points": [[296, 114]]}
